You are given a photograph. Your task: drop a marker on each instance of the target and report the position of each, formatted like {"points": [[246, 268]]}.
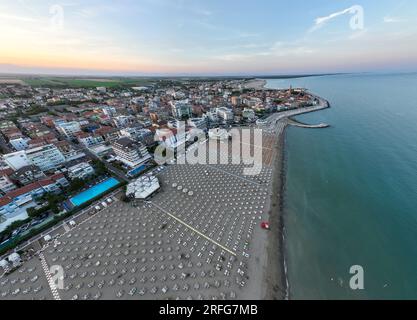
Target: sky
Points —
{"points": [[210, 37]]}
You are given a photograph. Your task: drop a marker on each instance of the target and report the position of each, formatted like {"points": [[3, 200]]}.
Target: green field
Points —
{"points": [[66, 82]]}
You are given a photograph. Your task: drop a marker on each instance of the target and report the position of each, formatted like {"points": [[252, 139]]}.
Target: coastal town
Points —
{"points": [[82, 189]]}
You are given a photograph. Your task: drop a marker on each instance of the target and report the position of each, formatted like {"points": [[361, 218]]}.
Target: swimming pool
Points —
{"points": [[94, 191], [136, 171]]}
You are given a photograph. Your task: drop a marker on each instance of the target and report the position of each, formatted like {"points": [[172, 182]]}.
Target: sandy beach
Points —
{"points": [[257, 84], [275, 281], [275, 277]]}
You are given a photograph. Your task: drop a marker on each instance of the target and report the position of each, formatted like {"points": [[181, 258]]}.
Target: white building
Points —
{"points": [[138, 134], [181, 109], [253, 102], [199, 123], [16, 160], [89, 140], [143, 187], [80, 171], [122, 121], [69, 129], [225, 114], [100, 150], [19, 144], [14, 204], [6, 185], [45, 157], [213, 119], [172, 138], [130, 152], [109, 111]]}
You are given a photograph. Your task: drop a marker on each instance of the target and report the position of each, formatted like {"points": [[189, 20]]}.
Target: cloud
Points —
{"points": [[389, 19], [16, 18], [277, 50], [203, 12], [321, 21]]}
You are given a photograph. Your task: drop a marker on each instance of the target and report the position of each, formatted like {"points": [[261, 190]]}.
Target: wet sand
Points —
{"points": [[275, 276]]}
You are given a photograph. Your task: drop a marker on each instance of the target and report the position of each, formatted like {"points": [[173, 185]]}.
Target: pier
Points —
{"points": [[296, 123]]}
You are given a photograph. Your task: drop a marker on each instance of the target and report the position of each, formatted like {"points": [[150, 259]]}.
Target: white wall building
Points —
{"points": [[16, 160], [199, 123], [69, 129], [89, 140], [46, 157], [225, 114], [181, 109], [82, 170], [6, 185], [130, 152], [172, 138], [122, 121], [20, 144], [138, 134], [143, 187], [109, 111]]}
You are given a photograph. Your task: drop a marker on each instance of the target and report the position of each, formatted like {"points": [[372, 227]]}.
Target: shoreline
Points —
{"points": [[257, 84], [276, 276]]}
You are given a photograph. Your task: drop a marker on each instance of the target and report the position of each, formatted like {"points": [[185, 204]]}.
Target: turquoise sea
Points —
{"points": [[351, 190]]}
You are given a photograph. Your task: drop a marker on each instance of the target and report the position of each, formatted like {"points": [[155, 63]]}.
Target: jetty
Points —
{"points": [[299, 124]]}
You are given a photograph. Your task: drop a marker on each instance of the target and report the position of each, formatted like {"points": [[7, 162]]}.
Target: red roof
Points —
{"points": [[104, 130], [4, 201], [6, 172], [18, 192], [81, 135], [37, 142], [61, 143], [45, 139], [30, 187]]}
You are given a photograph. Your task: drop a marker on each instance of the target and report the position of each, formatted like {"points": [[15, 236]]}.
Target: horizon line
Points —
{"points": [[202, 75]]}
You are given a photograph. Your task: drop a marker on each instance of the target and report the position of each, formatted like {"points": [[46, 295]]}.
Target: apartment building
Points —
{"points": [[45, 157], [130, 152]]}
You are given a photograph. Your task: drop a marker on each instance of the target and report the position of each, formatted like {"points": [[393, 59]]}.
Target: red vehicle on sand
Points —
{"points": [[265, 225]]}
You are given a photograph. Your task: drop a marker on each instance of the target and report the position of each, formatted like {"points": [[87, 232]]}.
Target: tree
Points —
{"points": [[75, 185], [33, 213], [99, 167]]}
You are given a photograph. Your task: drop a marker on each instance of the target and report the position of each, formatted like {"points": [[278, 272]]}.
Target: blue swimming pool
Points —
{"points": [[136, 171], [94, 191]]}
